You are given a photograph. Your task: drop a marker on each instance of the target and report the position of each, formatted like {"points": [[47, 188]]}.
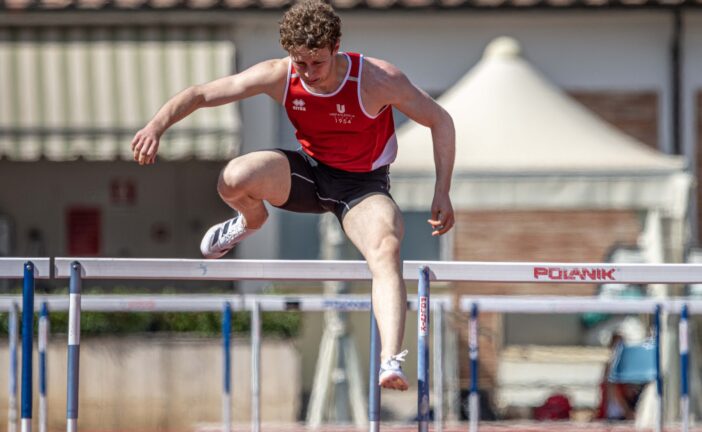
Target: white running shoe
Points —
{"points": [[391, 375], [221, 238]]}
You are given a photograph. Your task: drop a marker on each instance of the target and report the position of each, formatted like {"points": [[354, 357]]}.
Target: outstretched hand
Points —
{"points": [[442, 217], [145, 145]]}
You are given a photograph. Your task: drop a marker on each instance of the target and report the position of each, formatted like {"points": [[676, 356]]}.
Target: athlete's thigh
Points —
{"points": [[372, 221], [265, 175]]}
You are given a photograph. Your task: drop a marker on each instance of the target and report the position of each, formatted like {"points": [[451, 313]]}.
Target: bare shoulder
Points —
{"points": [[268, 77], [273, 69], [382, 71], [383, 77]]}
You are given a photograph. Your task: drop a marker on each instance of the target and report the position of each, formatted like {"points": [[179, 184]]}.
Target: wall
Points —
{"points": [[164, 383], [568, 236], [178, 197]]}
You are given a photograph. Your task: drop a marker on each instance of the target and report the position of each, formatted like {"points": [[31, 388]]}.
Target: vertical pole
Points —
{"points": [[659, 377], [12, 381], [43, 344], [473, 401], [27, 345], [73, 347], [438, 370], [374, 371], [684, 368], [423, 350], [227, 366], [255, 366]]}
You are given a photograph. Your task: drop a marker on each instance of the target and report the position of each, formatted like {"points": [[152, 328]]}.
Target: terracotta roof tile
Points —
{"points": [[14, 5]]}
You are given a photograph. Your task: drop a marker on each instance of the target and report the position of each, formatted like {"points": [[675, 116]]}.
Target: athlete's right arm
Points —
{"points": [[268, 77]]}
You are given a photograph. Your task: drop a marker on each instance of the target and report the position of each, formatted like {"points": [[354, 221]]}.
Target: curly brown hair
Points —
{"points": [[311, 24]]}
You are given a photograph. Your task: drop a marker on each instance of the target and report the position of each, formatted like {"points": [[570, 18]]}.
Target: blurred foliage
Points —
{"points": [[205, 324]]}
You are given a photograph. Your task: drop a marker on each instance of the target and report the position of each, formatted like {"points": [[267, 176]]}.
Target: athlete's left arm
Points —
{"points": [[394, 88]]}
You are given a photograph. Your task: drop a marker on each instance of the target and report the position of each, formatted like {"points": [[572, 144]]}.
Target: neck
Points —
{"points": [[337, 75]]}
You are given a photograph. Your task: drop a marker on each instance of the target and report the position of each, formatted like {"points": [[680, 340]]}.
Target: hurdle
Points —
{"points": [[27, 269], [683, 335], [107, 268], [569, 305], [307, 270], [43, 343], [225, 304]]}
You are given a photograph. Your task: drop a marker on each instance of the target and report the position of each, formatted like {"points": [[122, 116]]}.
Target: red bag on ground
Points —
{"points": [[556, 407]]}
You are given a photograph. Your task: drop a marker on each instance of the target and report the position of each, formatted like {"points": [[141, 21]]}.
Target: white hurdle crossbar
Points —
{"points": [[307, 270], [321, 270]]}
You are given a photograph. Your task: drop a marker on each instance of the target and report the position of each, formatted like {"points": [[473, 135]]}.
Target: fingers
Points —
{"points": [[441, 223], [144, 149]]}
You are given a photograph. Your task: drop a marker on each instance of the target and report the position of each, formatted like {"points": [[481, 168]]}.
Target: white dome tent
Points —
{"points": [[524, 144]]}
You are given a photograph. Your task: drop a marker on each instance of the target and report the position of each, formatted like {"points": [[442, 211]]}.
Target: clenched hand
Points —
{"points": [[442, 217]]}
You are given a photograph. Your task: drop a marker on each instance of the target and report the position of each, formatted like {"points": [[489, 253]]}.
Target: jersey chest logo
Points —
{"points": [[340, 116], [298, 105]]}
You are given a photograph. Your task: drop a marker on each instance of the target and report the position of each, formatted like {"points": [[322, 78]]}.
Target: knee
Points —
{"points": [[386, 250], [233, 181]]}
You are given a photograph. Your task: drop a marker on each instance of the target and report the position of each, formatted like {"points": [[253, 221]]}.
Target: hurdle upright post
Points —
{"points": [[374, 371], [227, 367], [12, 379], [27, 345], [659, 375], [423, 350], [43, 344], [473, 401], [438, 365], [684, 369], [255, 366], [73, 347]]}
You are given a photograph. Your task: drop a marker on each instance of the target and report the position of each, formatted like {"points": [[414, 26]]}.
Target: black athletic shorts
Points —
{"points": [[319, 188]]}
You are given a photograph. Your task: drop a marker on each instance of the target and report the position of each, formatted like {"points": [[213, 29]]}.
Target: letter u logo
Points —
{"points": [[340, 108]]}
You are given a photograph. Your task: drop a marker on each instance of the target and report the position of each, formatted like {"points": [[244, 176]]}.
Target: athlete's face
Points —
{"points": [[315, 66]]}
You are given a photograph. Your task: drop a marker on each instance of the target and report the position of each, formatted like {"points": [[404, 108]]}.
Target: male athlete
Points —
{"points": [[341, 107]]}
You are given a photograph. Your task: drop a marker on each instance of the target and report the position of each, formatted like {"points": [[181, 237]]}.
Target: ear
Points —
{"points": [[335, 49]]}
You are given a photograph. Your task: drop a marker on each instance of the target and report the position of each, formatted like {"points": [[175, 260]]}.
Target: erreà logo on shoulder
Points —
{"points": [[298, 105], [575, 273]]}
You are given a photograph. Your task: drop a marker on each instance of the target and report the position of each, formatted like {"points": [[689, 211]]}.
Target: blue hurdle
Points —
{"points": [[659, 375], [43, 344], [683, 332], [422, 360], [27, 345], [423, 351]]}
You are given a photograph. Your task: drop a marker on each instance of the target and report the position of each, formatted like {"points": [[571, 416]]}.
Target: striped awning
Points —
{"points": [[70, 93]]}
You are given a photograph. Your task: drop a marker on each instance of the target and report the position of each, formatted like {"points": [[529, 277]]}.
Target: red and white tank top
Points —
{"points": [[335, 128]]}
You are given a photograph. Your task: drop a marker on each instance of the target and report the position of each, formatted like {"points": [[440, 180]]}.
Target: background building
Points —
{"points": [[78, 78]]}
